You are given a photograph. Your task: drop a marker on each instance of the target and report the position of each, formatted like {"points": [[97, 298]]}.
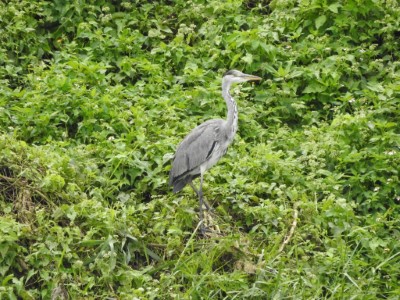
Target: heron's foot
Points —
{"points": [[207, 206], [208, 226], [209, 231], [204, 229]]}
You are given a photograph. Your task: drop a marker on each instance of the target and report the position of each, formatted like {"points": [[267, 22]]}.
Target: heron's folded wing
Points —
{"points": [[196, 148]]}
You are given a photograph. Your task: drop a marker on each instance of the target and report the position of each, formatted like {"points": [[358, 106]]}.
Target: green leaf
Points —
{"points": [[314, 87], [334, 7], [320, 21]]}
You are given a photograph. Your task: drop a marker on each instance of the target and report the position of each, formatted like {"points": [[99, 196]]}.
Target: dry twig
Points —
{"points": [[292, 228]]}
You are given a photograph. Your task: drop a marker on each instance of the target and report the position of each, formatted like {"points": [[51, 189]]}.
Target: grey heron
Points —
{"points": [[207, 143]]}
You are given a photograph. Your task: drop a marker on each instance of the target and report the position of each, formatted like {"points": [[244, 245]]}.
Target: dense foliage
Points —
{"points": [[95, 95]]}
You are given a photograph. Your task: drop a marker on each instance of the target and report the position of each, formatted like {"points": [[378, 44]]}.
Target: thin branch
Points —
{"points": [[292, 228]]}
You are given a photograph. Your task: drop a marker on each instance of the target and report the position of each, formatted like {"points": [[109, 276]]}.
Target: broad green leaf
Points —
{"points": [[314, 87], [320, 21], [334, 7]]}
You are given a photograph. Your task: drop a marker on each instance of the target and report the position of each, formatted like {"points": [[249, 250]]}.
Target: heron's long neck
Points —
{"points": [[232, 115]]}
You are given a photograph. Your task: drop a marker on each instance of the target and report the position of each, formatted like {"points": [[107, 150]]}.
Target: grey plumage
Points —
{"points": [[207, 143], [195, 150]]}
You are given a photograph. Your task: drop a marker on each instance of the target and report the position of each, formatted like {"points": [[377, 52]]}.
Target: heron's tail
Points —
{"points": [[180, 182]]}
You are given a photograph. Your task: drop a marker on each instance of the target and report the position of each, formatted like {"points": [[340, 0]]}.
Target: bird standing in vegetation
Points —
{"points": [[207, 143]]}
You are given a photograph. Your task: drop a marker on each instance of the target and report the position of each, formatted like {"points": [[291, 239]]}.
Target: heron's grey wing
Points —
{"points": [[193, 151]]}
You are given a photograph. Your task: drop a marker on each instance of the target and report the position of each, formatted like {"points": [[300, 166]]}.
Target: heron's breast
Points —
{"points": [[214, 158], [219, 151]]}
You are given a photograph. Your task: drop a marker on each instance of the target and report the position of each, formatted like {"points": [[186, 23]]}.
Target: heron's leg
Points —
{"points": [[198, 195], [194, 188]]}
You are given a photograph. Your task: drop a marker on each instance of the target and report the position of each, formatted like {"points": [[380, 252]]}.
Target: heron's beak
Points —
{"points": [[249, 77]]}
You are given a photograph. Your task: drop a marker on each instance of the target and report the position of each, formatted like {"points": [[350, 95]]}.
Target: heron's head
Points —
{"points": [[234, 76]]}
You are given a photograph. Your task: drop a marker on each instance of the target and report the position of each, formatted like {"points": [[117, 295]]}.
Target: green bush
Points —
{"points": [[95, 96]]}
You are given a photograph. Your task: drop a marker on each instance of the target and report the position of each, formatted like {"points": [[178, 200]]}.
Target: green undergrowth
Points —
{"points": [[96, 95]]}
